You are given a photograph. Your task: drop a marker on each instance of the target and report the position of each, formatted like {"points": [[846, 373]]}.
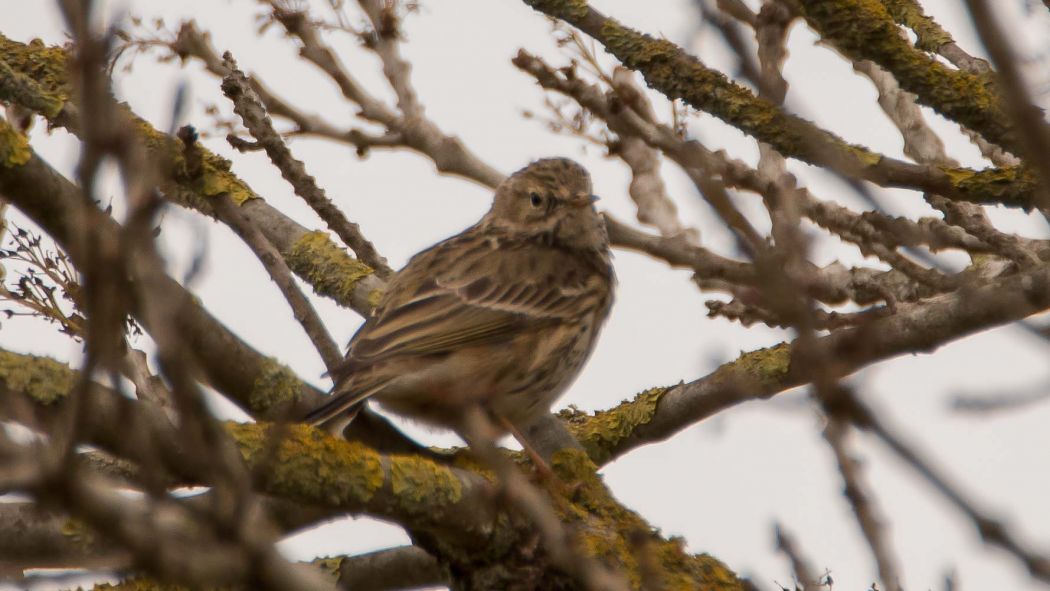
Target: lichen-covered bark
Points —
{"points": [[678, 75], [605, 433], [448, 508], [14, 148], [42, 379], [231, 366], [863, 29], [34, 76], [326, 267], [929, 35], [602, 432], [621, 538]]}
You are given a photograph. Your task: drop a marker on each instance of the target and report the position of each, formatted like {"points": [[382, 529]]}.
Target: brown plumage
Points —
{"points": [[502, 315]]}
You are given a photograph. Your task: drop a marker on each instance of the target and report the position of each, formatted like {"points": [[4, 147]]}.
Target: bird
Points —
{"points": [[500, 317]]}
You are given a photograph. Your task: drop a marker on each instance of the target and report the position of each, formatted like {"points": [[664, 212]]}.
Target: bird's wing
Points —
{"points": [[464, 291], [486, 294]]}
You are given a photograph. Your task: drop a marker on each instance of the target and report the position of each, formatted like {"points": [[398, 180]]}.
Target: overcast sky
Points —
{"points": [[720, 484]]}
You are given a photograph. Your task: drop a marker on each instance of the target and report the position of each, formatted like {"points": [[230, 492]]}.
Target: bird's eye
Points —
{"points": [[536, 199]]}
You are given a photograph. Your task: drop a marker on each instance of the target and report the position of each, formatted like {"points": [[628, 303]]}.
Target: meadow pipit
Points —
{"points": [[501, 316]]}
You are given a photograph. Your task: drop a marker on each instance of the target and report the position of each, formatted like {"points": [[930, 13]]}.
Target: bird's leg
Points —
{"points": [[543, 471]]}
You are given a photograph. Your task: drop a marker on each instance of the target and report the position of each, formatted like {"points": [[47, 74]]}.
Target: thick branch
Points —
{"points": [[260, 385]]}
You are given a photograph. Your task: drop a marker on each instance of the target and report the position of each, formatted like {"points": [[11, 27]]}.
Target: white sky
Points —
{"points": [[719, 484]]}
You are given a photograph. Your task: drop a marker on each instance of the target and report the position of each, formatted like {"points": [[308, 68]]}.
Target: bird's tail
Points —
{"points": [[340, 408]]}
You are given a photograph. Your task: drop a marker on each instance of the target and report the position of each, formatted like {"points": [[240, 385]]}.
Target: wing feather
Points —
{"points": [[484, 295]]}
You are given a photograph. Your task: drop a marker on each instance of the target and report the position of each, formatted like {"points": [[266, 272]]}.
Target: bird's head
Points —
{"points": [[550, 199]]}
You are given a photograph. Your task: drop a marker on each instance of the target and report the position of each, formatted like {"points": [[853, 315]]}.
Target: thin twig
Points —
{"points": [[303, 311], [236, 87]]}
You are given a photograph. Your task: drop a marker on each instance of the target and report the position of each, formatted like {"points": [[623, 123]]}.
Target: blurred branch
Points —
{"points": [[161, 536], [986, 403], [860, 499], [991, 530], [260, 385], [394, 568], [1033, 143], [311, 255], [805, 576]]}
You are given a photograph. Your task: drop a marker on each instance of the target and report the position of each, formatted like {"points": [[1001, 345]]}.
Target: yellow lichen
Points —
{"points": [[34, 76], [602, 432], [765, 367], [44, 380], [274, 389], [374, 298], [863, 29], [929, 35], [620, 538], [418, 482], [1013, 186], [216, 179], [79, 533], [140, 584], [310, 465], [329, 269], [14, 147]]}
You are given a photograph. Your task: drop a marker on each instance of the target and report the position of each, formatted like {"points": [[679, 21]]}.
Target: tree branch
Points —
{"points": [[678, 75], [656, 414]]}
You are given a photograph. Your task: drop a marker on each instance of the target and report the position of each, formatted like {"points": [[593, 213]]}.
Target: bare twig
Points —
{"points": [[280, 274], [411, 130], [235, 86]]}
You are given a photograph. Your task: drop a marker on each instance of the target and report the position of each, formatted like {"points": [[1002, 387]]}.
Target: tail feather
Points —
{"points": [[340, 408]]}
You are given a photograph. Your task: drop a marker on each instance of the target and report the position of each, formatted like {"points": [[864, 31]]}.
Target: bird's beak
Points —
{"points": [[584, 200]]}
